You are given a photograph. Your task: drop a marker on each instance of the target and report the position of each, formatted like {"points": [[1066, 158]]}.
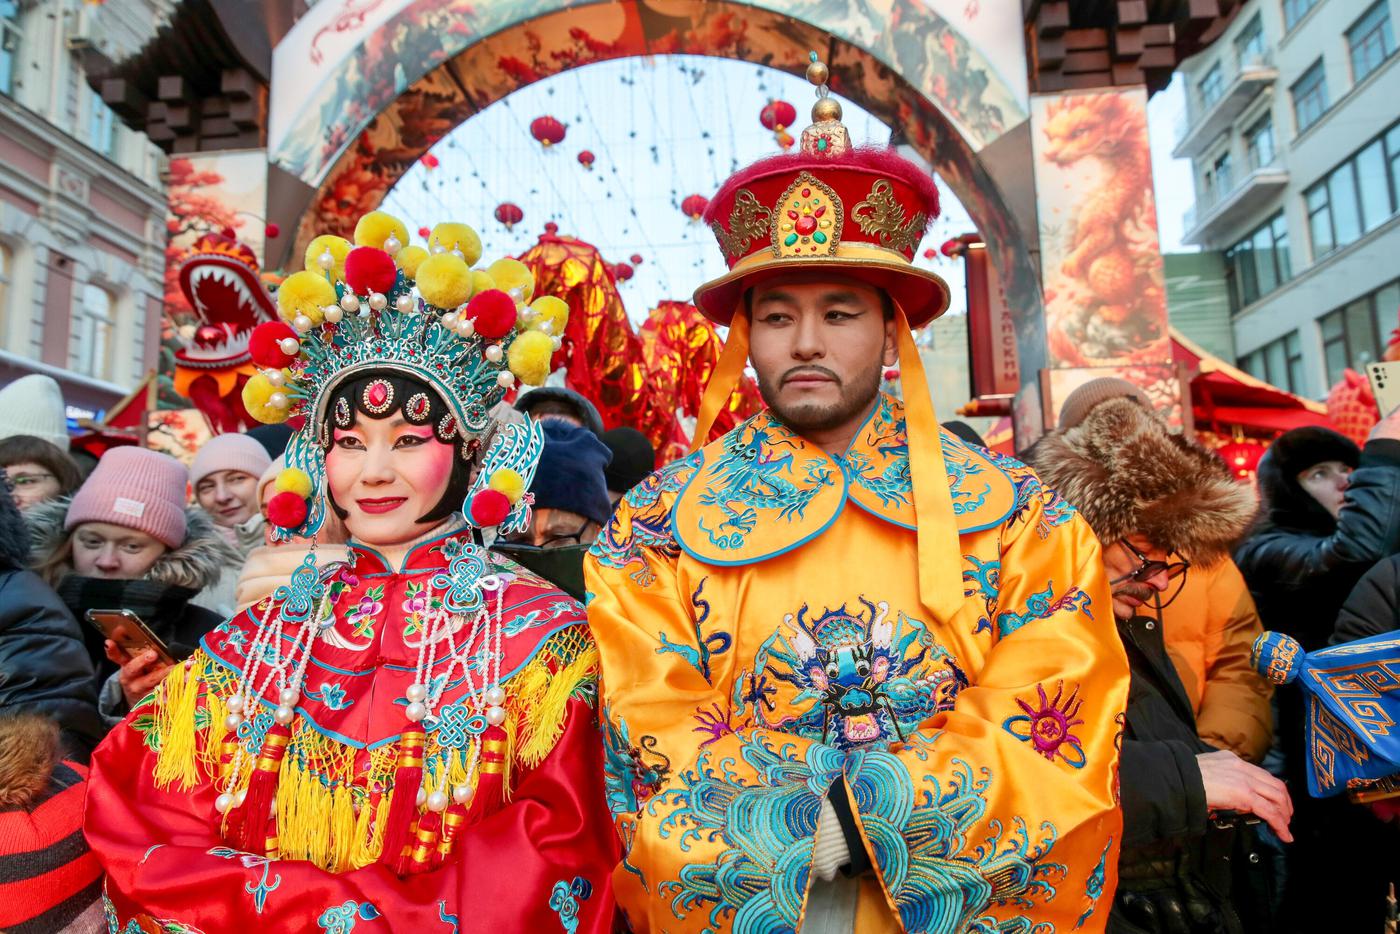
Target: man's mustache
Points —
{"points": [[808, 371]]}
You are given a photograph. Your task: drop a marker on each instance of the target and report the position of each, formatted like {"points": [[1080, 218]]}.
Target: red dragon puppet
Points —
{"points": [[219, 279]]}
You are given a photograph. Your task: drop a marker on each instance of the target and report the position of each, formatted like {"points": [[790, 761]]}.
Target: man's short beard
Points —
{"points": [[857, 396]]}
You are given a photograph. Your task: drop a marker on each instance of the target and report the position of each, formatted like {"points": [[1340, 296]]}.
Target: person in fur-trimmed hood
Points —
{"points": [[1160, 504], [128, 541]]}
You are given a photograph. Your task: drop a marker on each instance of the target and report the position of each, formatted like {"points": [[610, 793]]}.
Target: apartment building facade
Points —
{"points": [[82, 207], [1293, 130]]}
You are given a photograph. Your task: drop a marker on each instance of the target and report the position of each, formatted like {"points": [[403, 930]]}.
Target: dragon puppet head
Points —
{"points": [[219, 279]]}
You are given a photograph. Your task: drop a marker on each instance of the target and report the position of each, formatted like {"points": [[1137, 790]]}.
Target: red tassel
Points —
{"points": [[257, 805], [403, 805], [426, 837], [490, 782], [452, 821]]}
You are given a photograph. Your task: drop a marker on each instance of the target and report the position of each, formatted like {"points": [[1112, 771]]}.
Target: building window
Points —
{"points": [[1223, 176], [1294, 10], [1356, 334], [1259, 263], [1310, 96], [1249, 44], [1357, 196], [1212, 86], [1279, 362], [10, 37], [1259, 140], [102, 129], [96, 323], [1370, 40]]}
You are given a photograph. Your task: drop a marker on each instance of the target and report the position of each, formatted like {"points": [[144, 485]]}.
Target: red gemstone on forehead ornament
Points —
{"points": [[378, 393], [806, 224]]}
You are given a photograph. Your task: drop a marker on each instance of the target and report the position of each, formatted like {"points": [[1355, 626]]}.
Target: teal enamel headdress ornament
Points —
{"points": [[378, 306]]}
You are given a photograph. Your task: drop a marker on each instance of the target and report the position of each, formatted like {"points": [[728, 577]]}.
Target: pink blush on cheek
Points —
{"points": [[428, 472]]}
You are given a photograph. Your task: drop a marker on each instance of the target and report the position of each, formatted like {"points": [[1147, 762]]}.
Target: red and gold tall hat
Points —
{"points": [[859, 212], [856, 213]]}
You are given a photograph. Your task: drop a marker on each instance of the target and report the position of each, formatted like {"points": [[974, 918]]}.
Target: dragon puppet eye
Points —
{"points": [[862, 667]]}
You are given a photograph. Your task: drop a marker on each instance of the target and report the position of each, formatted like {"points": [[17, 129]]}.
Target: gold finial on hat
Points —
{"points": [[827, 135]]}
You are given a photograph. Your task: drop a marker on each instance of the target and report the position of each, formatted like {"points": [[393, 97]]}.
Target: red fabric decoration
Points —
{"points": [[493, 312], [262, 344], [369, 269], [489, 508], [286, 510]]}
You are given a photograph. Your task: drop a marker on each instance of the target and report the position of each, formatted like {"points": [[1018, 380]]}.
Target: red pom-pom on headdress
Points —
{"points": [[264, 344], [369, 269], [286, 510], [489, 508], [493, 313]]}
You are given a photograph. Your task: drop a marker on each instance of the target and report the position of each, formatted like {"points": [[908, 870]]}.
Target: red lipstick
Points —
{"points": [[379, 506]]}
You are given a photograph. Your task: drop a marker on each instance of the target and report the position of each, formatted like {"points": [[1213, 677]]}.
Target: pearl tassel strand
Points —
{"points": [[488, 694], [248, 691]]}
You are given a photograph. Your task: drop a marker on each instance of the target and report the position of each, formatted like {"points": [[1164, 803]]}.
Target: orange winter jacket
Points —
{"points": [[1208, 630]]}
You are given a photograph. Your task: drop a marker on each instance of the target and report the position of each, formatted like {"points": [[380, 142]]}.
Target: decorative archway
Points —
{"points": [[395, 82]]}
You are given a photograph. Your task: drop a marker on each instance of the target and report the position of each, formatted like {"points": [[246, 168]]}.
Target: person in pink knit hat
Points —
{"points": [[127, 541], [225, 476]]}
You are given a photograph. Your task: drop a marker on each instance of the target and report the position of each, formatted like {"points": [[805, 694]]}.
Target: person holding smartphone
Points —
{"points": [[127, 541]]}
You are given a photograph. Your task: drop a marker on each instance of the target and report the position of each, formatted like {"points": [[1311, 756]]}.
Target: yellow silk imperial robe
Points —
{"points": [[761, 637]]}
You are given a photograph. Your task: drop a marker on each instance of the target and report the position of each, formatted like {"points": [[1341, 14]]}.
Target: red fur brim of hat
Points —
{"points": [[870, 158]]}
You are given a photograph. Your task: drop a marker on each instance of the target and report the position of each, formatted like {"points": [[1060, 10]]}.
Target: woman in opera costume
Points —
{"points": [[403, 740]]}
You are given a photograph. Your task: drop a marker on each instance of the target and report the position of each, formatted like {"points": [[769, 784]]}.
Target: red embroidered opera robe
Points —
{"points": [[540, 862]]}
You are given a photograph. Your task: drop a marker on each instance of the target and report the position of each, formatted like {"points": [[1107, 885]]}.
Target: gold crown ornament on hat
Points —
{"points": [[860, 211]]}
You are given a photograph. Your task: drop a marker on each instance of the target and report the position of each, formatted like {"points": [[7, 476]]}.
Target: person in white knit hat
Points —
{"points": [[33, 405]]}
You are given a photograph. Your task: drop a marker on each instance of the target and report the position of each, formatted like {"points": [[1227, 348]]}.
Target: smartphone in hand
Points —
{"points": [[130, 634]]}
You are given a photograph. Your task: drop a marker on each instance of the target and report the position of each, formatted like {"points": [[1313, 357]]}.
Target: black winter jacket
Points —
{"points": [[1374, 604], [43, 667], [1301, 564]]}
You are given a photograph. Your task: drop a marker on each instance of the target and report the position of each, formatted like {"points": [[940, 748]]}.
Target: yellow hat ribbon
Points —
{"points": [[724, 380], [939, 551]]}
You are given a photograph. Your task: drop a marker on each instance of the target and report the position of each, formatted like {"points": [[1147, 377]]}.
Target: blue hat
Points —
{"points": [[571, 472]]}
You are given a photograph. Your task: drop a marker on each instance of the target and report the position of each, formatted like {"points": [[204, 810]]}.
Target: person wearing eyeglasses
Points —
{"points": [[1208, 621], [1161, 507], [39, 470]]}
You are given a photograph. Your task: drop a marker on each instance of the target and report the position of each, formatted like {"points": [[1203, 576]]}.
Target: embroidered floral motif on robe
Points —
{"points": [[761, 640], [151, 818]]}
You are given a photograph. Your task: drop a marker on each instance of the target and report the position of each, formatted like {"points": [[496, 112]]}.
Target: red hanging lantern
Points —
{"points": [[430, 161], [622, 272], [424, 232], [694, 206], [509, 214], [547, 131], [585, 159], [1241, 456], [951, 248], [636, 259], [272, 231], [777, 116], [930, 253]]}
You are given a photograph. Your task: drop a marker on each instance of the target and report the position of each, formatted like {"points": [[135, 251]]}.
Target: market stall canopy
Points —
{"points": [[1223, 396]]}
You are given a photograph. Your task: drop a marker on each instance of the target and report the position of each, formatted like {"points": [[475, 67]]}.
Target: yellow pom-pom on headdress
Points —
{"points": [[376, 227], [337, 247], [529, 357], [509, 483], [257, 399], [481, 282], [548, 313], [444, 280], [304, 293], [457, 237], [513, 274], [409, 259], [293, 480]]}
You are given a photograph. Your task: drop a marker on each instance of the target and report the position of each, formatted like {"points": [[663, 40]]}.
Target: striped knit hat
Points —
{"points": [[48, 877]]}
